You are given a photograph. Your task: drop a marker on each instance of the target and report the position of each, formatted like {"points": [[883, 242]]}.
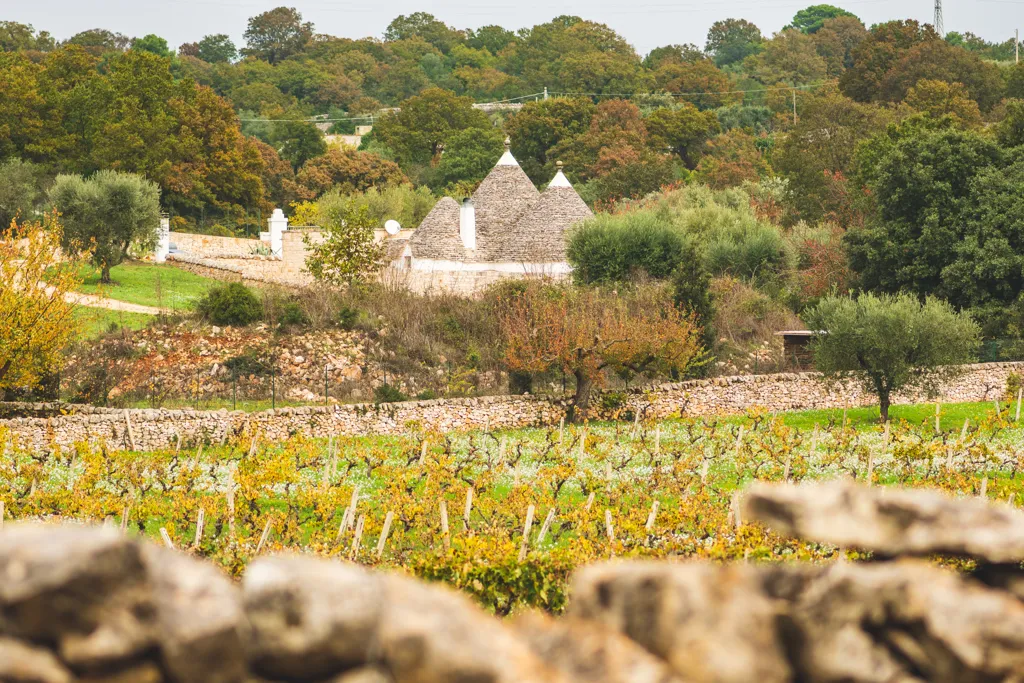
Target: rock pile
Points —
{"points": [[89, 604]]}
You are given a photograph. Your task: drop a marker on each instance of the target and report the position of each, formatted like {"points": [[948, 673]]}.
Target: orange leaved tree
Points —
{"points": [[584, 332], [37, 319]]}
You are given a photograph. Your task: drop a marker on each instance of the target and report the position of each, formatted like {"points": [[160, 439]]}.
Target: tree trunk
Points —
{"points": [[105, 274], [581, 401], [883, 402]]}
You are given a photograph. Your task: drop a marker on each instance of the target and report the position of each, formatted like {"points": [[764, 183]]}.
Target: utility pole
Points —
{"points": [[938, 18], [1016, 46]]}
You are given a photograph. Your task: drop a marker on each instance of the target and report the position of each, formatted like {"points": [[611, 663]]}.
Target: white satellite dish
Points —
{"points": [[393, 227]]}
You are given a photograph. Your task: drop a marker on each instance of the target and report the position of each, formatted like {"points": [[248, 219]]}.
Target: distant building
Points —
{"points": [[506, 229]]}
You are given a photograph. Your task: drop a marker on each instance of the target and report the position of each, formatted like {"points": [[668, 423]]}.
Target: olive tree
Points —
{"points": [[107, 213], [890, 343]]}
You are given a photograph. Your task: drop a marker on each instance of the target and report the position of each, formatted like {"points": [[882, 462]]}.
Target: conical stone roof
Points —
{"points": [[502, 198], [541, 232], [438, 237]]}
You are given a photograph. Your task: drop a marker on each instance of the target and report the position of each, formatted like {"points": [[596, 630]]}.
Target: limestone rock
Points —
{"points": [[431, 634], [20, 663], [310, 618], [369, 674], [84, 589], [890, 522], [200, 615], [902, 621], [709, 623], [588, 651]]}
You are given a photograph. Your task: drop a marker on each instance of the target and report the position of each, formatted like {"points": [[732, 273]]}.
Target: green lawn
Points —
{"points": [[148, 284], [95, 321], [951, 415]]}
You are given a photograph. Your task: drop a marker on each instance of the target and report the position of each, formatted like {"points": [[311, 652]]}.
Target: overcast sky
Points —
{"points": [[645, 23]]}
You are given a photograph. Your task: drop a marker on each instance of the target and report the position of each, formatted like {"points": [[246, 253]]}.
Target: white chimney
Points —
{"points": [[467, 224], [163, 239], [278, 224]]}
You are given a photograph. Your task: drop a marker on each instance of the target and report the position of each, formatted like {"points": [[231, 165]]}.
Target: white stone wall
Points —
{"points": [[155, 429]]}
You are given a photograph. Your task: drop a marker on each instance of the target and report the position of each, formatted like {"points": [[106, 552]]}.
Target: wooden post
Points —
{"points": [[1020, 394], [590, 501], [814, 439], [995, 401], [231, 502], [583, 442], [423, 452], [343, 527], [200, 522], [252, 447], [737, 517], [124, 520], [636, 424], [785, 471], [949, 458], [704, 471], [561, 430], [388, 518], [357, 538], [263, 537], [1009, 501], [167, 538], [502, 449], [546, 526], [657, 440], [938, 423], [608, 470], [445, 536], [984, 487], [608, 528], [871, 467], [468, 508], [1, 514], [739, 441], [963, 432], [131, 434], [526, 533], [650, 518], [844, 417]]}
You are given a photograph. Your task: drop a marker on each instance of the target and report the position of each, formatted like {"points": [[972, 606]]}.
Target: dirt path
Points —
{"points": [[93, 301]]}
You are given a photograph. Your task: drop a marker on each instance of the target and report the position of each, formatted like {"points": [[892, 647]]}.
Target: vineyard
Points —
{"points": [[504, 516]]}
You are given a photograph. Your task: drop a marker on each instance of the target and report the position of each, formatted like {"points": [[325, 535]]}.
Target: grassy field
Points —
{"points": [[95, 321], [148, 284]]}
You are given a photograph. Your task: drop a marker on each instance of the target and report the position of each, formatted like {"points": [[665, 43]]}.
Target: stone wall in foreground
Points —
{"points": [[155, 429]]}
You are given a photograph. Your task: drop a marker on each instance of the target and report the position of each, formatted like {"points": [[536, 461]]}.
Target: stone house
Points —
{"points": [[507, 229]]}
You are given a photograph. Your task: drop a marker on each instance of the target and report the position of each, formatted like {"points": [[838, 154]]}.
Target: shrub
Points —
{"points": [[247, 364], [609, 248], [387, 393], [292, 314], [231, 304], [348, 317]]}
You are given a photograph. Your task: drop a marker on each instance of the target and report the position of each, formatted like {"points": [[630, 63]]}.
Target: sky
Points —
{"points": [[644, 23]]}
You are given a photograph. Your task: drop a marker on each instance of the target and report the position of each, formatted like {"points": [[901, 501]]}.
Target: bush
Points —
{"points": [[614, 248], [348, 317], [292, 314], [231, 304], [247, 364], [387, 393]]}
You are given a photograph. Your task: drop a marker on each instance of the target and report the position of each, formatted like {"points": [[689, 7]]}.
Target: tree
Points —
{"points": [[939, 61], [1010, 131], [98, 41], [469, 156], [583, 332], [347, 170], [678, 54], [616, 248], [21, 107], [16, 37], [920, 176], [426, 122], [423, 25], [277, 34], [938, 99], [297, 141], [890, 343], [790, 57], [35, 281], [836, 42], [107, 214], [348, 251], [216, 49], [811, 19], [492, 38], [684, 130], [153, 44], [732, 40], [876, 55], [701, 82], [20, 190], [691, 291], [732, 158], [540, 126]]}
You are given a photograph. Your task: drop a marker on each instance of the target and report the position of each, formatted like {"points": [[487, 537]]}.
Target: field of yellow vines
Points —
{"points": [[505, 517]]}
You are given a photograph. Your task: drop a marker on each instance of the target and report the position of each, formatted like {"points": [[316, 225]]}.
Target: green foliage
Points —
{"points": [[252, 363], [1010, 131], [684, 130], [292, 314], [616, 248], [733, 40], [217, 49], [347, 252], [890, 342], [811, 19], [277, 34], [231, 304], [469, 156], [20, 192], [691, 291], [348, 317], [921, 177], [426, 123], [388, 393], [540, 126], [107, 213], [153, 44]]}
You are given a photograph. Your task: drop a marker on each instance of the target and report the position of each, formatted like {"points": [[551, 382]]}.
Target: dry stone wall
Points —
{"points": [[213, 246], [92, 604], [155, 429]]}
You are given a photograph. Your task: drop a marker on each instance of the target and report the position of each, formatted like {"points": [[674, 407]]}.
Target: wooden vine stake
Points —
{"points": [[739, 442], [785, 471], [736, 515], [963, 432], [263, 537], [561, 430], [502, 449], [1, 514], [231, 502], [345, 521], [984, 487], [657, 440], [357, 538], [124, 520], [814, 439], [200, 522], [468, 508], [1020, 394], [423, 452], [445, 536], [608, 470], [650, 518], [590, 501], [704, 471], [949, 458], [608, 528], [546, 526], [938, 422], [167, 538], [636, 424], [526, 533], [583, 442], [995, 402], [131, 433], [1009, 501], [382, 541]]}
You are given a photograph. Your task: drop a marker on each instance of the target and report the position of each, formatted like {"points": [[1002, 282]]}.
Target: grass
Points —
{"points": [[148, 284], [95, 321], [867, 418]]}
